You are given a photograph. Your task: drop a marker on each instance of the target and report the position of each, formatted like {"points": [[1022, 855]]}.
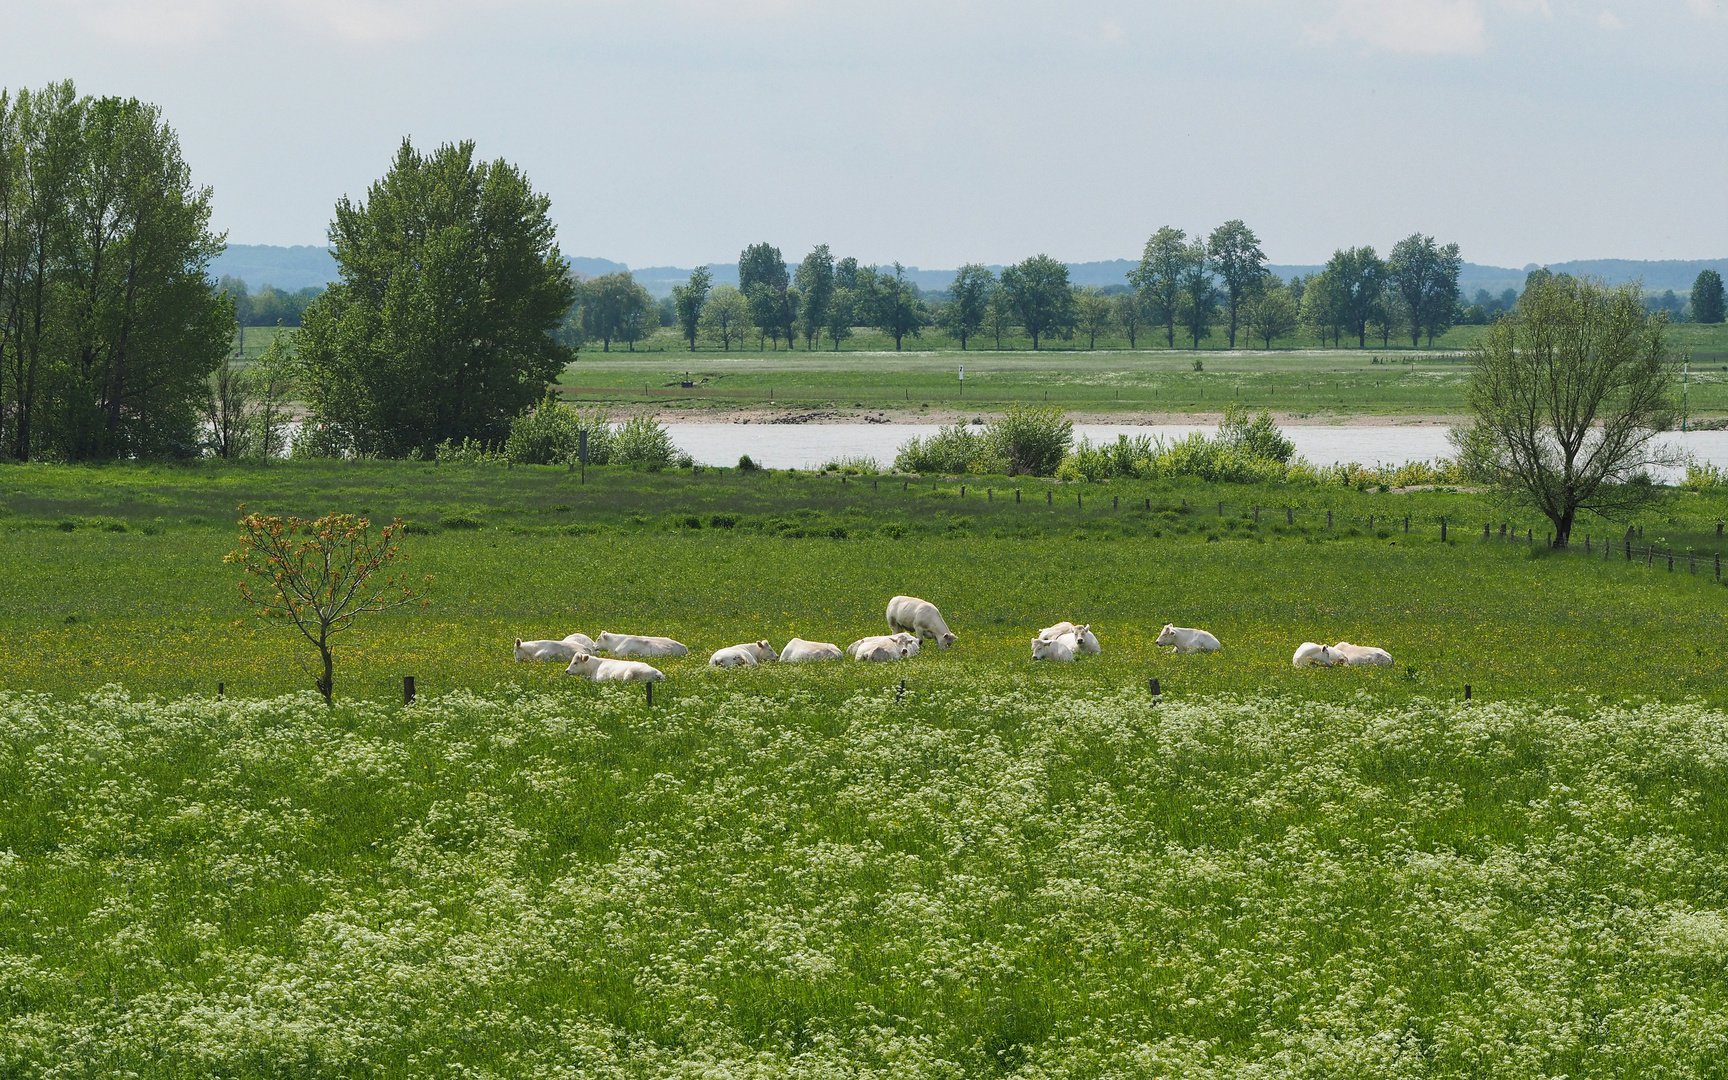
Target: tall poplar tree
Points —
{"points": [[1240, 264], [1159, 276]]}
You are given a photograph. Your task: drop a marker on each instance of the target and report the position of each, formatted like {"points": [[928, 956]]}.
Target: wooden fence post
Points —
{"points": [[1152, 685], [1016, 494], [1220, 509], [962, 491], [1289, 516], [1628, 551], [1078, 505], [1406, 522], [1485, 528], [407, 689], [1442, 529], [1049, 498], [1148, 504], [1466, 691], [1328, 519], [219, 689], [1256, 515], [1115, 502]]}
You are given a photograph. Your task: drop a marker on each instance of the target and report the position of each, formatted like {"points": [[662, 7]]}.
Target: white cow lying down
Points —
{"points": [[920, 618], [1185, 639], [883, 648], [1363, 655], [560, 651], [798, 651], [1059, 649], [1082, 635], [638, 645], [593, 667], [1309, 654], [749, 654]]}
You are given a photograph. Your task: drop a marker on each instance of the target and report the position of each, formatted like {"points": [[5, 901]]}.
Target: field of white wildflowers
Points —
{"points": [[1021, 881]]}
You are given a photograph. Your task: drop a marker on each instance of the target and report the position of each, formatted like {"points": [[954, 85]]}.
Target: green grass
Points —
{"points": [[1013, 869], [716, 557], [782, 878], [1318, 383]]}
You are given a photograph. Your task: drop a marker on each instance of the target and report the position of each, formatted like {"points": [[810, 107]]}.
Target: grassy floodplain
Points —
{"points": [[1015, 869], [1319, 383]]}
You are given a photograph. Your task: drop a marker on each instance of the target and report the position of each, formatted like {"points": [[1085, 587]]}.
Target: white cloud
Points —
{"points": [[1406, 26], [1709, 9], [1609, 21]]}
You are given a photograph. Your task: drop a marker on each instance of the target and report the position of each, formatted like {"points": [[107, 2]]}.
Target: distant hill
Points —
{"points": [[292, 268], [288, 268]]}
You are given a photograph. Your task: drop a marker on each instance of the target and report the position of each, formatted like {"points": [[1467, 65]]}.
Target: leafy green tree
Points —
{"points": [[1322, 310], [1270, 314], [441, 325], [964, 314], [688, 300], [999, 316], [763, 279], [1236, 257], [1389, 312], [615, 308], [1357, 277], [1159, 278], [815, 281], [1093, 313], [726, 317], [846, 273], [1707, 297], [1040, 296], [894, 304], [842, 312], [109, 327], [1198, 303], [1569, 394], [1427, 278], [1129, 314]]}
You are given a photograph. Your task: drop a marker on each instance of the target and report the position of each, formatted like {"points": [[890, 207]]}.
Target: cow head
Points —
{"points": [[520, 655], [945, 639], [766, 651], [1167, 636], [581, 664]]}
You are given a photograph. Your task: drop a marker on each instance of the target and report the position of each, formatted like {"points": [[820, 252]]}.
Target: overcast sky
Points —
{"points": [[944, 131]]}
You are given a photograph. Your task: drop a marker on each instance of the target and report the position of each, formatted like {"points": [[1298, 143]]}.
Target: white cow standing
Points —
{"points": [[799, 651], [593, 667], [1363, 655], [920, 618], [1308, 654], [883, 648], [638, 645], [749, 654], [1059, 649], [1186, 639], [1084, 641]]}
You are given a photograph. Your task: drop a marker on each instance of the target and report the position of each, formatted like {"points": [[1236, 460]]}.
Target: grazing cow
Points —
{"points": [[749, 654], [581, 639], [882, 648], [1059, 649], [1309, 654], [920, 618], [592, 667], [638, 645], [1084, 641], [1183, 639], [1363, 655], [560, 651], [798, 651]]}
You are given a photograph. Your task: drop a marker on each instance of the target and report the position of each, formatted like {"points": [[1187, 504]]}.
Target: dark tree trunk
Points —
{"points": [[327, 684]]}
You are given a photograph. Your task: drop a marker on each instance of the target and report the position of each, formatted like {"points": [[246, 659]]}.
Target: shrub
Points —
{"points": [[550, 434], [953, 449], [1030, 439], [748, 464], [1258, 438], [468, 452], [461, 521], [1703, 476], [642, 443], [856, 466]]}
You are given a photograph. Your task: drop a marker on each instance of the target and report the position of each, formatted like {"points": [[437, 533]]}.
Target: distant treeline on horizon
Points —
{"points": [[292, 269]]}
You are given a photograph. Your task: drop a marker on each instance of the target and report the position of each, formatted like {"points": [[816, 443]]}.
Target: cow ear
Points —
{"points": [[518, 642]]}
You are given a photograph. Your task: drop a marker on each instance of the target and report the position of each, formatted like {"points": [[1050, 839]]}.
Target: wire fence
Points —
{"points": [[1630, 547]]}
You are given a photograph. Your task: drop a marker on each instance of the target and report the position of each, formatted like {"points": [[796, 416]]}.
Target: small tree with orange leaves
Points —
{"points": [[320, 576]]}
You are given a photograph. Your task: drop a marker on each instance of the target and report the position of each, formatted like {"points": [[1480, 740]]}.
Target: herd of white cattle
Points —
{"points": [[911, 620]]}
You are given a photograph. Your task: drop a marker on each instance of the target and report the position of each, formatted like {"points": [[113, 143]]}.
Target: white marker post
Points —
{"points": [[962, 380]]}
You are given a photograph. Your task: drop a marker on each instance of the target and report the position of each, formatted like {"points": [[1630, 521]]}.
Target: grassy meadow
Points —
{"points": [[1323, 383], [1013, 869]]}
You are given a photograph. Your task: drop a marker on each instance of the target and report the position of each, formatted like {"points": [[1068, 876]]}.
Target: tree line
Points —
{"points": [[1182, 289], [109, 327]]}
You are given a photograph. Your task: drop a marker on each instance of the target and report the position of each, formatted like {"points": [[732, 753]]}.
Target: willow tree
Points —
{"points": [[1570, 394], [441, 326]]}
